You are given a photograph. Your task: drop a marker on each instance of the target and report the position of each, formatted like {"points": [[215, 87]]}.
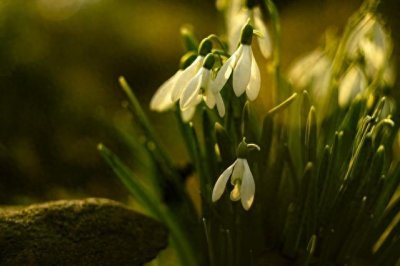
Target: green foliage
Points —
{"points": [[325, 177]]}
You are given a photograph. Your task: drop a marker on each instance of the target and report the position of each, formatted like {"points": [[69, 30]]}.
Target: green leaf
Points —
{"points": [[266, 138], [331, 184], [391, 185], [185, 130], [352, 117], [293, 174], [311, 246], [304, 112], [374, 172], [297, 225], [209, 145], [152, 204], [384, 223], [143, 196], [280, 88], [199, 163], [283, 105], [311, 136], [225, 146], [308, 201], [163, 157], [250, 128], [323, 170], [387, 251]]}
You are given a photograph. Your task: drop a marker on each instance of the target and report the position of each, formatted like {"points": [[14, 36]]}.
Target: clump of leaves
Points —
{"points": [[312, 181]]}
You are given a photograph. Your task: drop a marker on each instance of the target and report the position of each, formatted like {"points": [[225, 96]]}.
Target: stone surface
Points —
{"points": [[78, 232]]}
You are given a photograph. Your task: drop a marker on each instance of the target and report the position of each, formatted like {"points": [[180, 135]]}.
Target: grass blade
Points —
{"points": [[156, 208]]}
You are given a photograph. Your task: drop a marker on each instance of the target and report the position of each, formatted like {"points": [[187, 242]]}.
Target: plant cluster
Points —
{"points": [[311, 181]]}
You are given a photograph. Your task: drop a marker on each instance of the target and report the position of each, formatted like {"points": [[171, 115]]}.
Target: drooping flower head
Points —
{"points": [[186, 76], [162, 99], [353, 83], [171, 90], [246, 74], [199, 88], [370, 40], [312, 73], [239, 16], [241, 178]]}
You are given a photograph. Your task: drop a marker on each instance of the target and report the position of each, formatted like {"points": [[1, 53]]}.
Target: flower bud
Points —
{"points": [[247, 35], [242, 150], [209, 61]]}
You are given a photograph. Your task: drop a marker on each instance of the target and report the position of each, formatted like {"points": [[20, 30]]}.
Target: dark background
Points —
{"points": [[59, 96]]}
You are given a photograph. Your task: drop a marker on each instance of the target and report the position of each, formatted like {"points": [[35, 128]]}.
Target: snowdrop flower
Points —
{"points": [[312, 72], [239, 17], [246, 74], [353, 83], [199, 88], [170, 91], [241, 178], [162, 99], [187, 74], [370, 40]]}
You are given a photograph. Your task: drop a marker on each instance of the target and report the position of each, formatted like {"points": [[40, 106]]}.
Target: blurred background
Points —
{"points": [[59, 95]]}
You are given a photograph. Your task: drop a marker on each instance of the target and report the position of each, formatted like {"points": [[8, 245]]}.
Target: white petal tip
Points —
{"points": [[247, 204]]}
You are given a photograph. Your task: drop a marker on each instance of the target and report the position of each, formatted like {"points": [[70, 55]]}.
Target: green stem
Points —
{"points": [[209, 242], [274, 15], [156, 208], [148, 128]]}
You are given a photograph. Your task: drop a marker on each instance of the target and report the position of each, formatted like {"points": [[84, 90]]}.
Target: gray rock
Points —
{"points": [[78, 232]]}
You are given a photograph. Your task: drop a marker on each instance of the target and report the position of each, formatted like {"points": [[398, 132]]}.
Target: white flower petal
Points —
{"points": [[237, 171], [220, 185], [188, 113], [358, 33], [209, 99], [248, 187], [312, 72], [235, 6], [185, 78], [321, 76], [376, 47], [265, 41], [161, 100], [299, 73], [253, 88], [241, 73], [220, 105], [192, 90], [353, 82], [225, 71]]}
